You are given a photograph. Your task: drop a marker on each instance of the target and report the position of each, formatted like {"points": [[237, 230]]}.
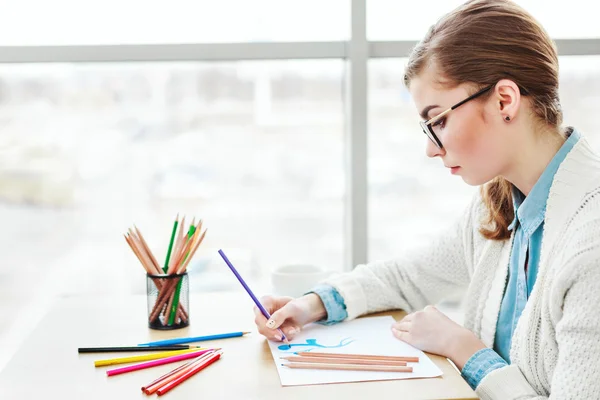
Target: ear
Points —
{"points": [[508, 99]]}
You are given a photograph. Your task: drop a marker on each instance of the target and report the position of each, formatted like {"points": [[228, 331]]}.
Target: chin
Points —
{"points": [[474, 181]]}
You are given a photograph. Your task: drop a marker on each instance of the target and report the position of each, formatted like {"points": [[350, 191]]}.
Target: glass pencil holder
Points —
{"points": [[168, 298]]}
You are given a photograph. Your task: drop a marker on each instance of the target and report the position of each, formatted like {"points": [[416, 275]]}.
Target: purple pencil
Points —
{"points": [[154, 363], [260, 306]]}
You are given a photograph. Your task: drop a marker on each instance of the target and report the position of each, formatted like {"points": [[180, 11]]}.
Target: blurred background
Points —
{"points": [[284, 125]]}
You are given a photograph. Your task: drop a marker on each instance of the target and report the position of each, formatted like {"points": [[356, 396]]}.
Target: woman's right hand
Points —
{"points": [[288, 314]]}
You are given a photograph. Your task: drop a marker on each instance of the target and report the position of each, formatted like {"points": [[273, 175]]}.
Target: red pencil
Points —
{"points": [[191, 372], [163, 380], [168, 374]]}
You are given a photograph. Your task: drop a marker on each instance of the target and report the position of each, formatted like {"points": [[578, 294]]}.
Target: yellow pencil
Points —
{"points": [[146, 357]]}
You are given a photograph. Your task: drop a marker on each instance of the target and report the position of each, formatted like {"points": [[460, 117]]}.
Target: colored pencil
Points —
{"points": [[348, 367], [158, 383], [154, 383], [167, 309], [146, 357], [147, 248], [169, 342], [175, 299], [134, 348], [166, 266], [358, 356], [150, 269], [174, 268], [260, 306], [340, 360], [197, 368], [154, 363]]}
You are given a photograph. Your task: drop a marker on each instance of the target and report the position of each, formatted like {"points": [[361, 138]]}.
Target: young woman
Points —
{"points": [[526, 251]]}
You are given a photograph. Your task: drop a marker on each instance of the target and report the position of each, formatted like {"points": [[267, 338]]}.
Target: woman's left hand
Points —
{"points": [[432, 331]]}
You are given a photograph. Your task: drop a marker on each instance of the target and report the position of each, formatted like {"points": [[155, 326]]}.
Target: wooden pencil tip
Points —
{"points": [[245, 333]]}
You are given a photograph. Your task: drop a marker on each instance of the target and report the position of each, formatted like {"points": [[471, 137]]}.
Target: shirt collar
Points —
{"points": [[531, 210]]}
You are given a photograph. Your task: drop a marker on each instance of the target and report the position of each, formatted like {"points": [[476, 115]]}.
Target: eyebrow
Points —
{"points": [[426, 111]]}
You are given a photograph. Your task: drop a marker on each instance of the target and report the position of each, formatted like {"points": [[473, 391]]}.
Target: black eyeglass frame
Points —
{"points": [[427, 126]]}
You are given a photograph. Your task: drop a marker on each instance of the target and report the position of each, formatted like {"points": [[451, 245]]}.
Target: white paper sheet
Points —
{"points": [[361, 336]]}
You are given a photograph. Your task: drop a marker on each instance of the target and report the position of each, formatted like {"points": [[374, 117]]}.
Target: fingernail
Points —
{"points": [[270, 323], [292, 331], [278, 336]]}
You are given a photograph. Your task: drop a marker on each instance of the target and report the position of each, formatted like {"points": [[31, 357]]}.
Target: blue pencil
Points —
{"points": [[169, 342], [260, 306]]}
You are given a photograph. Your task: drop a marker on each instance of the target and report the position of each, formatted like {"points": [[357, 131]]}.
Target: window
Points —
{"points": [[409, 20], [253, 148], [72, 22]]}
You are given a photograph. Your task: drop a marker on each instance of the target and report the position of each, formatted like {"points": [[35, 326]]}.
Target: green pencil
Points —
{"points": [[166, 267], [178, 288]]}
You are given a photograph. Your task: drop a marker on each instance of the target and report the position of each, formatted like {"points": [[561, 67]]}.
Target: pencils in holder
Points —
{"points": [[167, 286]]}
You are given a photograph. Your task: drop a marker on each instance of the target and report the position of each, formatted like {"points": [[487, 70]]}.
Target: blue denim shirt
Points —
{"points": [[528, 227]]}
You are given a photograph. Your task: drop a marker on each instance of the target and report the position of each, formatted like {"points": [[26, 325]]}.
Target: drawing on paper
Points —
{"points": [[312, 344]]}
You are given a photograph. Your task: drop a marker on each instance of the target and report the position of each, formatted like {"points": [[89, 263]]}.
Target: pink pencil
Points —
{"points": [[154, 363]]}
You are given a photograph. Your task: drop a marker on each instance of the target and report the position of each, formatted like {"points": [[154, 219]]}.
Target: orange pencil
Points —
{"points": [[348, 367], [358, 356], [157, 380], [341, 360], [157, 384], [194, 370]]}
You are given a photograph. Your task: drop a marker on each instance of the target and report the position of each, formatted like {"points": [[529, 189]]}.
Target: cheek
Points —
{"points": [[474, 149], [464, 143]]}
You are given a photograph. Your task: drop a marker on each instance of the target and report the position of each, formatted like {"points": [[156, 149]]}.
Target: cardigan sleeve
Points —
{"points": [[424, 276], [577, 371]]}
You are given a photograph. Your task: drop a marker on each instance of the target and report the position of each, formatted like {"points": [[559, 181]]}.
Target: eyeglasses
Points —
{"points": [[431, 127]]}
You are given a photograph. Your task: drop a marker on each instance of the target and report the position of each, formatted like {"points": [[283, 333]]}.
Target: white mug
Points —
{"points": [[296, 279]]}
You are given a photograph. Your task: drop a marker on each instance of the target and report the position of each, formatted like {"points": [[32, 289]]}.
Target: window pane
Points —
{"points": [[175, 21], [411, 197], [252, 148], [579, 88], [403, 20]]}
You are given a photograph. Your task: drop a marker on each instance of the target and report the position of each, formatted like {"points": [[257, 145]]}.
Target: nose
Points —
{"points": [[432, 150]]}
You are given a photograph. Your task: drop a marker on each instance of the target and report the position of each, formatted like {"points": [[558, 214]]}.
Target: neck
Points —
{"points": [[532, 157]]}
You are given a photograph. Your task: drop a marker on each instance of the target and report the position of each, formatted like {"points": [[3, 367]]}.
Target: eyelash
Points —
{"points": [[441, 121]]}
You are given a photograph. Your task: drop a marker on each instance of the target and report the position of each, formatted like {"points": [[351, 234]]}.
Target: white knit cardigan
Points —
{"points": [[555, 349]]}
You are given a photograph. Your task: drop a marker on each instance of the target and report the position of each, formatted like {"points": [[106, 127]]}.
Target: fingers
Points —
{"points": [[268, 302], [402, 326], [407, 318], [402, 335], [291, 331], [261, 324], [259, 319], [281, 311], [401, 329], [278, 317]]}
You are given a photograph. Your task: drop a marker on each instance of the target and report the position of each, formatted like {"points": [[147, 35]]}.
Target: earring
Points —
{"points": [[507, 118]]}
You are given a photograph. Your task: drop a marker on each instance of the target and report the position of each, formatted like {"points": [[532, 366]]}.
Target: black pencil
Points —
{"points": [[135, 348]]}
